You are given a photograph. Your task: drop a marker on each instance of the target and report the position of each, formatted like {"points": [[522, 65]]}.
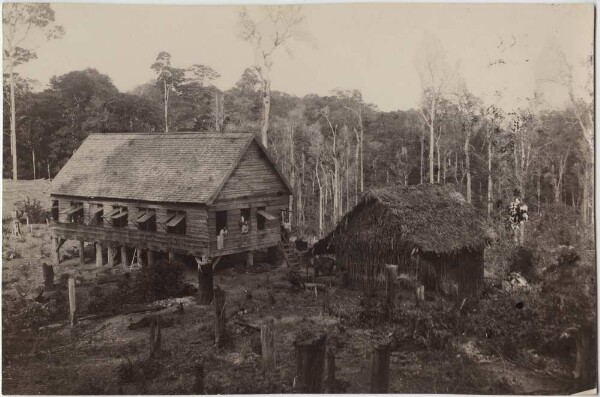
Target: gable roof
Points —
{"points": [[432, 218], [180, 167]]}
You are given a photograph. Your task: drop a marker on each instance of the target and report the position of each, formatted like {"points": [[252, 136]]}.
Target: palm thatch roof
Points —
{"points": [[430, 218], [167, 167]]}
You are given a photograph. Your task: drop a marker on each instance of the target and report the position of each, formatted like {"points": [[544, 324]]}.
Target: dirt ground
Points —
{"points": [[102, 355]]}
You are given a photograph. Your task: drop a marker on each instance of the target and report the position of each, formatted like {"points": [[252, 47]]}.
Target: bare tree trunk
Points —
{"points": [[468, 165], [439, 169], [431, 147], [490, 185], [422, 155], [166, 99], [33, 162], [266, 100], [13, 122]]}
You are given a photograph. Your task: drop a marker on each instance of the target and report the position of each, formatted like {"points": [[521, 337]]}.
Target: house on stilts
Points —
{"points": [[205, 195], [429, 231]]}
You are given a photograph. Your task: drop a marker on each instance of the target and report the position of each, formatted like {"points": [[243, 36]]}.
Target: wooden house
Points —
{"points": [[201, 194], [429, 231]]}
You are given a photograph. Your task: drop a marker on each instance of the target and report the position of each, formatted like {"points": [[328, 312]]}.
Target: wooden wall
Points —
{"points": [[195, 240], [254, 176], [254, 239]]}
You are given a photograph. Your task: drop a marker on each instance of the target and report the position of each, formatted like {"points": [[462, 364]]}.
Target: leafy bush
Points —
{"points": [[33, 209], [161, 280]]}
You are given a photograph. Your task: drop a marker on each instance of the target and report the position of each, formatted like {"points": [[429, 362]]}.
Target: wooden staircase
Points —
{"points": [[289, 252]]}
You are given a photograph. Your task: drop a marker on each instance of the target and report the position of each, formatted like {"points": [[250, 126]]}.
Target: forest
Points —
{"points": [[333, 149]]}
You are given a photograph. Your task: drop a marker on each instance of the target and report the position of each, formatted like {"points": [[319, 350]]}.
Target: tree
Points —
{"points": [[273, 27], [169, 78], [469, 108], [436, 76], [19, 21]]}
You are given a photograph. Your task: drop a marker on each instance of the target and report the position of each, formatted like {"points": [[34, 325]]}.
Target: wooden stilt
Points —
{"points": [[81, 252], [99, 255], [310, 364], [72, 302], [220, 317], [150, 255], [205, 281], [250, 259], [380, 368], [171, 256], [110, 260], [267, 336], [124, 258]]}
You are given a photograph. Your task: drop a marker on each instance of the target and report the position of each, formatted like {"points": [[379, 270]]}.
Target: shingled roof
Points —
{"points": [[165, 167], [432, 218]]}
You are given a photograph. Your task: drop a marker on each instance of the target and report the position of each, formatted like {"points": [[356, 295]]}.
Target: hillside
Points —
{"points": [[13, 192]]}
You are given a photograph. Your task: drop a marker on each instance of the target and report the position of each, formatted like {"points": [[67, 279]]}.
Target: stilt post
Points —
{"points": [[220, 316], [81, 252], [48, 276], [205, 281], [124, 258], [99, 255]]}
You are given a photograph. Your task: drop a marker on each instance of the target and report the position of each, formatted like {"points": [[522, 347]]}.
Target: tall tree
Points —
{"points": [[19, 22], [272, 27], [169, 78], [436, 76]]}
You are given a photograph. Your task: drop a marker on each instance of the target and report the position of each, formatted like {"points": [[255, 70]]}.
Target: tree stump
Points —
{"points": [[310, 364], [267, 336], [155, 337], [220, 316], [198, 378], [72, 302], [48, 276], [585, 366], [205, 284], [330, 370], [380, 368]]}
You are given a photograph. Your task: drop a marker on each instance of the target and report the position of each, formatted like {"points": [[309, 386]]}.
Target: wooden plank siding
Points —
{"points": [[194, 241], [254, 176], [254, 239]]}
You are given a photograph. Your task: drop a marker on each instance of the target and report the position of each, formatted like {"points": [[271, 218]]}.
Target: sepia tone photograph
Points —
{"points": [[298, 198]]}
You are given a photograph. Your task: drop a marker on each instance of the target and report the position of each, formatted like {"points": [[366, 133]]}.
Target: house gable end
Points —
{"points": [[254, 175]]}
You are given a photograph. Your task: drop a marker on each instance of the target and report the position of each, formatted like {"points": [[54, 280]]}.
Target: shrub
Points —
{"points": [[161, 280], [33, 209], [522, 262]]}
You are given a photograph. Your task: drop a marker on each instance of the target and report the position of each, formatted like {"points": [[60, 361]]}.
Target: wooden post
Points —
{"points": [[55, 251], [220, 316], [205, 282], [81, 252], [199, 379], [171, 256], [150, 257], [267, 336], [99, 255], [72, 302], [48, 276], [155, 337], [110, 260], [124, 258], [250, 259], [380, 368], [310, 364], [330, 370], [585, 364]]}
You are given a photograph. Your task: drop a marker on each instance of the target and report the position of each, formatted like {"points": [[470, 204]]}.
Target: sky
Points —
{"points": [[371, 47]]}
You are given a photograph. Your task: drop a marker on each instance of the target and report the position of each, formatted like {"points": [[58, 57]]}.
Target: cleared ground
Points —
{"points": [[103, 356]]}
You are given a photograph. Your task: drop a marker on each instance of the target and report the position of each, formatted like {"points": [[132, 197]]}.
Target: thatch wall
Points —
{"points": [[429, 231]]}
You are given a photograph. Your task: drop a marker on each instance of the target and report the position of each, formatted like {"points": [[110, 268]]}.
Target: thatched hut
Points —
{"points": [[429, 231]]}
